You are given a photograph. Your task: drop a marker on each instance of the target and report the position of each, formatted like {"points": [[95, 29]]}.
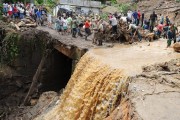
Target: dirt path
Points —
{"points": [[131, 58], [80, 42]]}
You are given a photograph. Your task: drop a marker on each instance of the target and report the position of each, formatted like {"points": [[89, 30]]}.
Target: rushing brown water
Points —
{"points": [[100, 77], [91, 92]]}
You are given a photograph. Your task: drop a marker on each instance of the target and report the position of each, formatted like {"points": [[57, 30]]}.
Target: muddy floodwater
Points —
{"points": [[94, 89], [131, 58]]}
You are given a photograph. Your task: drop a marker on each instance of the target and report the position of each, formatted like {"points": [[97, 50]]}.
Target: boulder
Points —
{"points": [[177, 47]]}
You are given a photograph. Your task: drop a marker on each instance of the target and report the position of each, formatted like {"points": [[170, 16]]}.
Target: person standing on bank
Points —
{"points": [[153, 18], [142, 20], [114, 22], [87, 29], [170, 37], [174, 32]]}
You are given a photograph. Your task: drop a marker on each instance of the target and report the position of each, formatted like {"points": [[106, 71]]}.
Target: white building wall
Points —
{"points": [[86, 10]]}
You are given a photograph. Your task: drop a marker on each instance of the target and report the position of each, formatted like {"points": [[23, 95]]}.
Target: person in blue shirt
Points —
{"points": [[135, 17], [38, 16]]}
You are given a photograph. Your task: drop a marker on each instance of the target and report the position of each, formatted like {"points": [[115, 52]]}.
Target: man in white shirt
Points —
{"points": [[21, 10], [134, 31], [114, 22], [129, 16]]}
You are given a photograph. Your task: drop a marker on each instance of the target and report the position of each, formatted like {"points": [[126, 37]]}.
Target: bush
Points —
{"points": [[10, 49], [127, 6], [124, 7], [104, 16]]}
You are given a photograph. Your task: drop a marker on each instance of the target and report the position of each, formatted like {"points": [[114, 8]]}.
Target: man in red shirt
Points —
{"points": [[87, 29], [159, 29], [15, 12], [139, 17]]}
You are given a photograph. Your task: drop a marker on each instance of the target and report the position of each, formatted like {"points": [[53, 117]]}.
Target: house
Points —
{"points": [[79, 6]]}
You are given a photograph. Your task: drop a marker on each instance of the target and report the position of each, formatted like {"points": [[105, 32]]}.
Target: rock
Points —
{"points": [[177, 47], [20, 24], [177, 64], [33, 102]]}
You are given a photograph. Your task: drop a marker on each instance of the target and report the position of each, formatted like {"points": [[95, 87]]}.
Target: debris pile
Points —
{"points": [[26, 22]]}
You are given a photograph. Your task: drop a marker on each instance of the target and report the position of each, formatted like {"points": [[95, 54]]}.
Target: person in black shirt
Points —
{"points": [[167, 21], [142, 20], [153, 18]]}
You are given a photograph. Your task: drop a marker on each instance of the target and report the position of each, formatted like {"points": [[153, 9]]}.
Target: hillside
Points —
{"points": [[165, 7]]}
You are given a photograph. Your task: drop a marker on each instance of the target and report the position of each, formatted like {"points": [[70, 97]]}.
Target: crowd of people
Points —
{"points": [[20, 10], [73, 24], [136, 21], [161, 25]]}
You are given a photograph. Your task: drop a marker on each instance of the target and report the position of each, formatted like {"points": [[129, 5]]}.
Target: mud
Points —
{"points": [[103, 80], [153, 94], [13, 89]]}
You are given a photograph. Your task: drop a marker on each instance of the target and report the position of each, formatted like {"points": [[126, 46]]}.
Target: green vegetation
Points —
{"points": [[177, 0], [10, 48], [124, 7], [113, 1], [127, 6], [40, 2], [104, 16], [1, 11]]}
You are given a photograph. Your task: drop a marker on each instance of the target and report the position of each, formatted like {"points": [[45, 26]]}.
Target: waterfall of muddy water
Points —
{"points": [[99, 78], [91, 92]]}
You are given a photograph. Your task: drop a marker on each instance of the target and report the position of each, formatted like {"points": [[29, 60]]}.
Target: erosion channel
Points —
{"points": [[120, 82]]}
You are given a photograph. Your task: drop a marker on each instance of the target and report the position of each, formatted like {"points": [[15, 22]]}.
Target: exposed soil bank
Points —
{"points": [[16, 75], [54, 74]]}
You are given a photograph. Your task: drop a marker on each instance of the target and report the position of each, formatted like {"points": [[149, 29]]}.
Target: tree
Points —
{"points": [[39, 1]]}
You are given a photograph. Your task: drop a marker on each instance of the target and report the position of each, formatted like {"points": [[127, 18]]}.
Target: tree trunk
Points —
{"points": [[34, 83]]}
